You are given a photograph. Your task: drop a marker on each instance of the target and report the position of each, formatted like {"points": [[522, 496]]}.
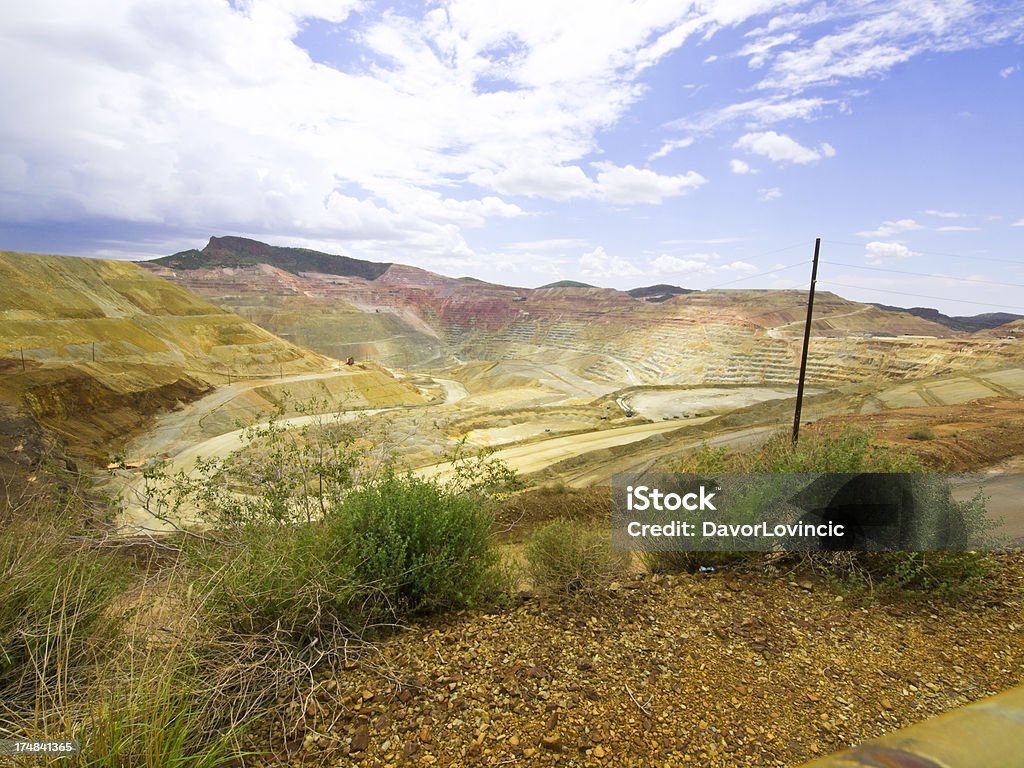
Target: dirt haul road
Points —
{"points": [[535, 456], [175, 434], [525, 459]]}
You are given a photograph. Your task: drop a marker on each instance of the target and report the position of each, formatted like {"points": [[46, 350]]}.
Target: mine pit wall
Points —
{"points": [[410, 319], [707, 353], [363, 386], [325, 317], [214, 344], [92, 409]]}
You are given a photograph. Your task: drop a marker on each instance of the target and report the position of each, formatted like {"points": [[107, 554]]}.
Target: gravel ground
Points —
{"points": [[703, 670]]}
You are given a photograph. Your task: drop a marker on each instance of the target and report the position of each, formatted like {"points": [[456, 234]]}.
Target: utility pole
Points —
{"points": [[807, 341]]}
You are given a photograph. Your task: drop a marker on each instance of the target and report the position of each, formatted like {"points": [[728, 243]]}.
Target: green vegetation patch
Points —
{"points": [[851, 450]]}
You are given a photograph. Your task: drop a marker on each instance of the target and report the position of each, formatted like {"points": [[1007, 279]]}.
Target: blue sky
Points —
{"points": [[618, 143]]}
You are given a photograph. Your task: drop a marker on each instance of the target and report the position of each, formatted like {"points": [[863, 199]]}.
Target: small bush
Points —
{"points": [[70, 668], [416, 547], [847, 450], [921, 433], [391, 550], [163, 711], [54, 601], [568, 557]]}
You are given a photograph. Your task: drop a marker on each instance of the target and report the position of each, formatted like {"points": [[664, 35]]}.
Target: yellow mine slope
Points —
{"points": [[68, 310]]}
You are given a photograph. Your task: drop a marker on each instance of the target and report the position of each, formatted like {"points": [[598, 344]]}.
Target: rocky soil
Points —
{"points": [[967, 437], [721, 669]]}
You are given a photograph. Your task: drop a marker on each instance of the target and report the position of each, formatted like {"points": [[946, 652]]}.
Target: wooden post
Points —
{"points": [[23, 359], [807, 341], [94, 351]]}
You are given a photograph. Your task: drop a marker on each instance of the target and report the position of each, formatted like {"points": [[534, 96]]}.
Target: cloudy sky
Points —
{"points": [[525, 141]]}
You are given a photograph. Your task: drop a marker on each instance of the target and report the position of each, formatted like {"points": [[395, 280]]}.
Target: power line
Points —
{"points": [[757, 274], [922, 296], [1017, 263], [927, 274]]}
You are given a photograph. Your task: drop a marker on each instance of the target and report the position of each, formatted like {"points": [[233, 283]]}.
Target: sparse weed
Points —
{"points": [[921, 433], [567, 557]]}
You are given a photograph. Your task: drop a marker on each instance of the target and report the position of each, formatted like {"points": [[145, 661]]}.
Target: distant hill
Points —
{"points": [[658, 293], [242, 252], [567, 284], [968, 324]]}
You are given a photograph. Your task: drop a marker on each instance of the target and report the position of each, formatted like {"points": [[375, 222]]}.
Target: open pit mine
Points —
{"points": [[167, 359], [573, 383]]}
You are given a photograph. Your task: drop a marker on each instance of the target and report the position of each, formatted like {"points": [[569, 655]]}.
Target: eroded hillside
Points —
{"points": [[92, 348]]}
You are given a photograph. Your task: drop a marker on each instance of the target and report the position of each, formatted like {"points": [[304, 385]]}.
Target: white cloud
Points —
{"points": [[207, 116], [781, 148], [698, 264], [945, 214], [1018, 223], [890, 228], [879, 252], [636, 185], [755, 113], [695, 263], [758, 51], [420, 121], [671, 146], [740, 167], [957, 228], [617, 184], [553, 182], [767, 194], [1007, 71], [739, 268], [870, 45], [550, 244], [597, 263]]}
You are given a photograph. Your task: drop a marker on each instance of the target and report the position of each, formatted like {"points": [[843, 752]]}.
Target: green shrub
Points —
{"points": [[936, 574], [416, 547], [391, 550], [851, 450], [847, 450], [568, 557], [921, 433]]}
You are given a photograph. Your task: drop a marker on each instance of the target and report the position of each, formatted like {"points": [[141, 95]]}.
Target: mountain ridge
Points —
{"points": [[233, 251], [967, 323]]}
